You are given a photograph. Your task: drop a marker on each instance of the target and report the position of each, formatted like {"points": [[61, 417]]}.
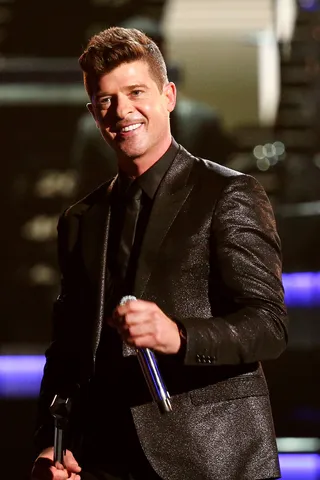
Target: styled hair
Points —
{"points": [[115, 46]]}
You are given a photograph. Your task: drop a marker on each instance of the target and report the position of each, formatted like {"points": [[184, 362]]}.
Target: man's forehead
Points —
{"points": [[125, 77]]}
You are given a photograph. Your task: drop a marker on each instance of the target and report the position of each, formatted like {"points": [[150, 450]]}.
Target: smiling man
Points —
{"points": [[131, 106], [196, 243]]}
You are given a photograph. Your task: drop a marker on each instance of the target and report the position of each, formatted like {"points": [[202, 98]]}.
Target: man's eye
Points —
{"points": [[136, 93], [103, 103]]}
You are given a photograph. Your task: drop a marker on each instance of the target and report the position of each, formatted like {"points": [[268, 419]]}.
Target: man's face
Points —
{"points": [[130, 111]]}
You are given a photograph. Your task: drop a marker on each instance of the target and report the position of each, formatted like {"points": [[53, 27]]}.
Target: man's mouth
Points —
{"points": [[129, 128]]}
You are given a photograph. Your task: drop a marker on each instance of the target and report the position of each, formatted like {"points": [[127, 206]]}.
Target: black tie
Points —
{"points": [[132, 209]]}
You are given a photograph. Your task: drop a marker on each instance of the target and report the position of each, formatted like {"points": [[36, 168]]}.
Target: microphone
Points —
{"points": [[152, 375]]}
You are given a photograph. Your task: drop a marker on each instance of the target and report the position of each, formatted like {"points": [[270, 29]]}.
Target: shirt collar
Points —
{"points": [[150, 180]]}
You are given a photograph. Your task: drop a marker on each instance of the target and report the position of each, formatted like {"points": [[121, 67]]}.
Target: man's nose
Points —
{"points": [[123, 106]]}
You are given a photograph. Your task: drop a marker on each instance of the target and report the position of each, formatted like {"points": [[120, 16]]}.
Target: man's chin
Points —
{"points": [[130, 151], [132, 155]]}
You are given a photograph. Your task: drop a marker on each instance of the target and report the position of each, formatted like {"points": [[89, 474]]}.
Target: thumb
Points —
{"points": [[71, 463]]}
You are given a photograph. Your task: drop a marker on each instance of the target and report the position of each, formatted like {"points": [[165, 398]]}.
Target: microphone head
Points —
{"points": [[127, 298]]}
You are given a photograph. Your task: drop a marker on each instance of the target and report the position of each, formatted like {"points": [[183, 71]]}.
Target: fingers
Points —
{"points": [[144, 341], [139, 329], [70, 463], [135, 306], [74, 476], [44, 469], [133, 321], [134, 312], [144, 325], [58, 474]]}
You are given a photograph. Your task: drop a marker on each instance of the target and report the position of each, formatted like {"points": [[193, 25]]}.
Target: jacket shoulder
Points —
{"points": [[215, 169], [218, 179], [209, 169]]}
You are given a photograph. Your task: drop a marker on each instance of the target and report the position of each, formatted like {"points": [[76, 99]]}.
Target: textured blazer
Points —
{"points": [[210, 259]]}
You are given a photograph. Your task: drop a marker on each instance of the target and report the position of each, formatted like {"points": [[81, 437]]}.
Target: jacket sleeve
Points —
{"points": [[246, 254], [67, 364]]}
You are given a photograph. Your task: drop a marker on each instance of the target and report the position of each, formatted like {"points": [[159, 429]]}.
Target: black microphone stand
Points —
{"points": [[60, 409]]}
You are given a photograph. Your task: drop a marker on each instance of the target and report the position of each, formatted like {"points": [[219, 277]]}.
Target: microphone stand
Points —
{"points": [[60, 409]]}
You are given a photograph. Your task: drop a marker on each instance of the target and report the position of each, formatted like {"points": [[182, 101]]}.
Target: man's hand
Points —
{"points": [[45, 469], [143, 325]]}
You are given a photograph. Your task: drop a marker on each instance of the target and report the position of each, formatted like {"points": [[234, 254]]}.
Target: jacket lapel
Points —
{"points": [[96, 224], [171, 195], [93, 234]]}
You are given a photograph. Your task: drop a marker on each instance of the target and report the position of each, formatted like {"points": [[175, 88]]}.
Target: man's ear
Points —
{"points": [[170, 92], [91, 110]]}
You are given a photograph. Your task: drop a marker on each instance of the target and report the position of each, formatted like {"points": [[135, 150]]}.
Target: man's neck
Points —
{"points": [[134, 167]]}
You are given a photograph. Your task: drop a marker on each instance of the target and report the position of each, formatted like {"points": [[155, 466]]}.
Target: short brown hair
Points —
{"points": [[116, 45]]}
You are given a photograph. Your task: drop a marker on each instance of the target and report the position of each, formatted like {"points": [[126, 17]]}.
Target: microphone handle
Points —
{"points": [[154, 379], [151, 372]]}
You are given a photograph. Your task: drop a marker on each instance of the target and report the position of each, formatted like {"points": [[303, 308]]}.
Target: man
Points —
{"points": [[194, 124], [205, 266]]}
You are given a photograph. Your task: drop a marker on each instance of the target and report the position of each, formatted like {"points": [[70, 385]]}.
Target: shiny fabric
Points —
{"points": [[211, 259]]}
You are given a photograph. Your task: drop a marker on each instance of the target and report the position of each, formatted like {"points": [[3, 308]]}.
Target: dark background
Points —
{"points": [[39, 46]]}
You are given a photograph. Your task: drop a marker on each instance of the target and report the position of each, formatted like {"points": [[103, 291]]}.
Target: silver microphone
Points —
{"points": [[152, 375]]}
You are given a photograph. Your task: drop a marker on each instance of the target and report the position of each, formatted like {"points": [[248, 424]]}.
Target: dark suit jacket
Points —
{"points": [[211, 259]]}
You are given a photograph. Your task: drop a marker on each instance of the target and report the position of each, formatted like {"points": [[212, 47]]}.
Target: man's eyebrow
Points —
{"points": [[129, 88], [102, 94], [136, 85]]}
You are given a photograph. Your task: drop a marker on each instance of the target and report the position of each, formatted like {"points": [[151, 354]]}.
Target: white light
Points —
{"points": [[258, 152], [40, 228], [292, 444], [54, 183], [268, 78], [263, 164], [273, 160], [42, 274], [286, 14], [280, 148], [269, 150]]}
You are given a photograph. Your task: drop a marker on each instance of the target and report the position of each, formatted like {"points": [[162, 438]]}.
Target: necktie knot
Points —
{"points": [[133, 193]]}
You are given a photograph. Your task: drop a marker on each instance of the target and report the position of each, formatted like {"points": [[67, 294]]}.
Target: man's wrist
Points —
{"points": [[183, 339]]}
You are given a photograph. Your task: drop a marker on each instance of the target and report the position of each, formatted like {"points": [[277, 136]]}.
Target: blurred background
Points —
{"points": [[248, 76]]}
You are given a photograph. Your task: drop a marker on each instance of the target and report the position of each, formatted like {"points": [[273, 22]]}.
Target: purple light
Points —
{"points": [[309, 4], [20, 375], [302, 466], [302, 289]]}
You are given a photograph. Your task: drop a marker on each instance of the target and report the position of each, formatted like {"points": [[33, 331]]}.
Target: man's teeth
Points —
{"points": [[130, 127]]}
